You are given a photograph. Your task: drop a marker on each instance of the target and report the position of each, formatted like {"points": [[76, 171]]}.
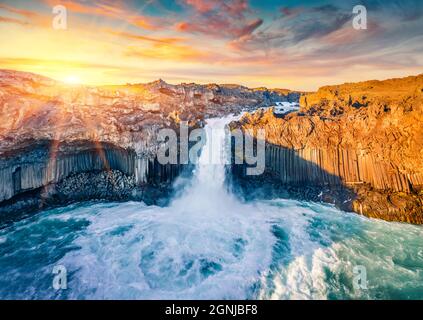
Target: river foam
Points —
{"points": [[208, 245]]}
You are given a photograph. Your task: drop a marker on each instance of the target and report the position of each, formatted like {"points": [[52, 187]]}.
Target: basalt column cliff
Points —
{"points": [[357, 145], [60, 143]]}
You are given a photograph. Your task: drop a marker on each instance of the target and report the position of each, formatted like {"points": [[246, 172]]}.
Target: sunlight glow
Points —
{"points": [[72, 79]]}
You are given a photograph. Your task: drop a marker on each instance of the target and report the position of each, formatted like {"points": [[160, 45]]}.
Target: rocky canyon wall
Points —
{"points": [[364, 138], [338, 166], [37, 167], [61, 142], [37, 178]]}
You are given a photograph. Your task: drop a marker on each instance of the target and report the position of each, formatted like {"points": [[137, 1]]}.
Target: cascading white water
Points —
{"points": [[208, 245], [207, 190]]}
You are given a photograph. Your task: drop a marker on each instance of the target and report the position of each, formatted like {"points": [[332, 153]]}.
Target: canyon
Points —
{"points": [[127, 226], [357, 145], [61, 143]]}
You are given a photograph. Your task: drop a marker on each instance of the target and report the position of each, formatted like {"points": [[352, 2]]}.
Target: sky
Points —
{"points": [[299, 45]]}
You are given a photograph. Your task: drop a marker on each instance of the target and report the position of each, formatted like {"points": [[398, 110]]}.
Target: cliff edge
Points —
{"points": [[365, 137]]}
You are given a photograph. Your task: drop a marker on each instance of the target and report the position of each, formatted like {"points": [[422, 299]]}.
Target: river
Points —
{"points": [[207, 244]]}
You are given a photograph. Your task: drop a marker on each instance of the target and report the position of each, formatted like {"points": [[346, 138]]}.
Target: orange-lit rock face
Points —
{"points": [[364, 133], [382, 118], [34, 107], [37, 108], [54, 134]]}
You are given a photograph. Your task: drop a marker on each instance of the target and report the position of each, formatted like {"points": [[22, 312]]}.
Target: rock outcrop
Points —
{"points": [[57, 140], [365, 138]]}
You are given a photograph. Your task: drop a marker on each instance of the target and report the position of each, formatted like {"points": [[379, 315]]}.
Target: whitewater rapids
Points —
{"points": [[208, 245]]}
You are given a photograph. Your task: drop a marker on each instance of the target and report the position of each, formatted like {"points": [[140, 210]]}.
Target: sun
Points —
{"points": [[72, 79]]}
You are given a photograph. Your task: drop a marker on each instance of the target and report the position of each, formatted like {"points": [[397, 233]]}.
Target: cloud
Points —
{"points": [[202, 5], [320, 41], [170, 52], [239, 39], [13, 20], [116, 10], [404, 10], [234, 8], [326, 29], [31, 17], [21, 12], [219, 27], [27, 62], [220, 18], [293, 27], [314, 22], [133, 36]]}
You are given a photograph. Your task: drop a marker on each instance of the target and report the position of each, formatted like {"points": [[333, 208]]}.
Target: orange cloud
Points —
{"points": [[21, 12], [347, 35], [12, 20], [33, 18], [20, 62], [117, 11], [234, 8], [133, 36], [167, 51], [202, 5]]}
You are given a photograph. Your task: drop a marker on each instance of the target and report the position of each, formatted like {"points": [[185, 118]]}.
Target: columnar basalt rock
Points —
{"points": [[366, 137], [53, 135], [34, 179]]}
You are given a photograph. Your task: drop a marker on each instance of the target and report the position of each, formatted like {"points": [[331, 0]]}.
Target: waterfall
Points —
{"points": [[208, 245], [210, 169], [207, 189]]}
